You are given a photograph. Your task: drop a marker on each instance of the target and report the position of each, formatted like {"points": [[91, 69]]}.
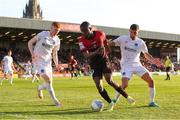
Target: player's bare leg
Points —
{"points": [[11, 79], [1, 81], [119, 89], [146, 77], [103, 92], [124, 85], [49, 87]]}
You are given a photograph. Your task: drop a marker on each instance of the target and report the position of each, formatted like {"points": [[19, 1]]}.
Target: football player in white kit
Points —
{"points": [[8, 67], [46, 47], [131, 46], [28, 69]]}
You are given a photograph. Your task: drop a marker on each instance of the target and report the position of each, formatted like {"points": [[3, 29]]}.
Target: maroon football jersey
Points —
{"points": [[93, 44], [73, 62]]}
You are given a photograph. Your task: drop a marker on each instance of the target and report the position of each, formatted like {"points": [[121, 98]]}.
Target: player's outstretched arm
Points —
{"points": [[55, 58], [30, 45], [151, 59], [148, 57], [13, 67]]}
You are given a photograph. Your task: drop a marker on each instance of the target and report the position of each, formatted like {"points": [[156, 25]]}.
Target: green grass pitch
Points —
{"points": [[20, 100]]}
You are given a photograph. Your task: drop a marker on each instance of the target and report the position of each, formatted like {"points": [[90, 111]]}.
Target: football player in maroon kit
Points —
{"points": [[94, 47], [72, 66]]}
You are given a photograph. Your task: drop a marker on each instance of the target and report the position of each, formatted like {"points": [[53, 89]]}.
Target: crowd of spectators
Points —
{"points": [[22, 56]]}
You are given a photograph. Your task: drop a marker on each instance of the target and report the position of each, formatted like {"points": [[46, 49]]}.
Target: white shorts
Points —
{"points": [[8, 70], [129, 71], [43, 69]]}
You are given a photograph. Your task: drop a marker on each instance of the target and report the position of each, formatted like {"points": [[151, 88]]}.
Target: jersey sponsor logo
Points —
{"points": [[124, 73], [130, 49], [47, 45], [81, 46]]}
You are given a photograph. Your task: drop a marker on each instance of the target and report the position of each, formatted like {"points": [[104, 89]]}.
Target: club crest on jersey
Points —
{"points": [[136, 44], [124, 73]]}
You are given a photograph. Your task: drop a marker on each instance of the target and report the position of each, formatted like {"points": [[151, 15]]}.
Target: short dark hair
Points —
{"points": [[9, 50], [85, 24], [134, 27]]}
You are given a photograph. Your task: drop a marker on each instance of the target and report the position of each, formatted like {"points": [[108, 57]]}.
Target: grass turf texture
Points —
{"points": [[20, 100]]}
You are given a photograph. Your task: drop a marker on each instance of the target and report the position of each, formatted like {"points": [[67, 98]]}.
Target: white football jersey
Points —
{"points": [[130, 50], [8, 60], [44, 46]]}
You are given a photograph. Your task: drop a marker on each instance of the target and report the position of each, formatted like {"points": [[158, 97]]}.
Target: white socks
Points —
{"points": [[152, 93], [11, 80], [2, 80], [51, 92], [49, 87], [117, 96]]}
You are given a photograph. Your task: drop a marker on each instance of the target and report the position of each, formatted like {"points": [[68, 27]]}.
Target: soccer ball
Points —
{"points": [[97, 105]]}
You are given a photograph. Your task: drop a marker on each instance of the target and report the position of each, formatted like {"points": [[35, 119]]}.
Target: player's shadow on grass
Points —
{"points": [[52, 112], [134, 107], [142, 106], [68, 111], [24, 105]]}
